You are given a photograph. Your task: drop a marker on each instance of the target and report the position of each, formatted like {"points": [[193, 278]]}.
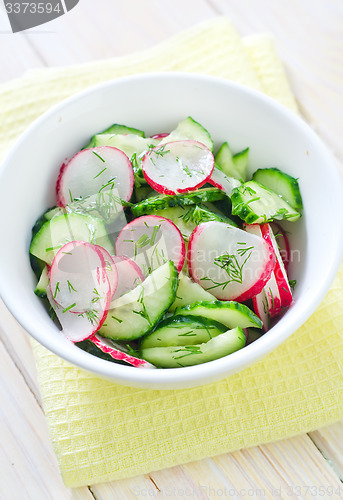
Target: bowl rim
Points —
{"points": [[213, 370]]}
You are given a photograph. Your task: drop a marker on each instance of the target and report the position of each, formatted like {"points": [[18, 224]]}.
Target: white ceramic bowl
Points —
{"points": [[156, 103]]}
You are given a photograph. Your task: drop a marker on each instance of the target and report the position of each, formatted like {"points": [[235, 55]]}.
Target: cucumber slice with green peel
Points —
{"points": [[282, 184], [189, 292], [123, 129], [255, 203], [230, 314], [53, 212], [116, 129], [240, 161], [130, 144], [150, 205], [232, 165], [189, 129], [65, 228], [43, 282], [188, 218], [189, 355], [137, 312], [182, 330]]}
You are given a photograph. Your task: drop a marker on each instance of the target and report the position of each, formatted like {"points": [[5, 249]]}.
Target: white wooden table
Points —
{"points": [[309, 37]]}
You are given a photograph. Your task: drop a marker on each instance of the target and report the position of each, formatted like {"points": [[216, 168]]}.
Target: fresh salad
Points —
{"points": [[160, 254]]}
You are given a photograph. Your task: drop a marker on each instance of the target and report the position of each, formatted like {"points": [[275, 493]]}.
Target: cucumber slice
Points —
{"points": [[188, 292], [70, 227], [176, 356], [130, 144], [150, 205], [189, 129], [134, 146], [188, 218], [282, 184], [182, 330], [230, 314], [138, 311], [123, 129], [43, 282], [232, 165], [255, 203], [116, 129], [53, 212]]}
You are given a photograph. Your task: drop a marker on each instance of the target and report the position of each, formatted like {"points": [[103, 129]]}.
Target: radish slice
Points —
{"points": [[223, 182], [111, 269], [129, 275], [93, 171], [261, 308], [282, 242], [228, 262], [273, 296], [278, 292], [285, 290], [118, 352], [78, 327], [78, 278], [159, 137], [150, 241], [178, 167]]}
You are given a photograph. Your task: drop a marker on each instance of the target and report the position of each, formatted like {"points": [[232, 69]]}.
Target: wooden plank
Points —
{"points": [[17, 344], [28, 467], [117, 28], [329, 440], [291, 468], [309, 38]]}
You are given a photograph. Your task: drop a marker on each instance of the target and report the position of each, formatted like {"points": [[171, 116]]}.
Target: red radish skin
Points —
{"points": [[159, 136], [149, 241], [282, 242], [285, 291], [61, 202], [129, 275], [91, 170], [273, 297], [117, 352], [214, 243], [111, 269], [221, 181], [178, 167], [78, 278]]}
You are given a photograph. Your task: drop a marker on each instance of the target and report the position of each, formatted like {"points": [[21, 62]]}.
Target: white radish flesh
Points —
{"points": [[78, 278], [119, 353], [129, 275], [78, 327], [178, 167], [261, 308], [110, 268], [150, 241], [93, 171], [285, 291], [229, 262], [220, 180]]}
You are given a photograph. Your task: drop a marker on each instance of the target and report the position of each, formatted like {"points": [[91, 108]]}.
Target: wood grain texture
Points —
{"points": [[309, 39]]}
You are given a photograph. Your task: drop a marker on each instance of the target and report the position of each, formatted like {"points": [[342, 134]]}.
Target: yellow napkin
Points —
{"points": [[103, 431]]}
